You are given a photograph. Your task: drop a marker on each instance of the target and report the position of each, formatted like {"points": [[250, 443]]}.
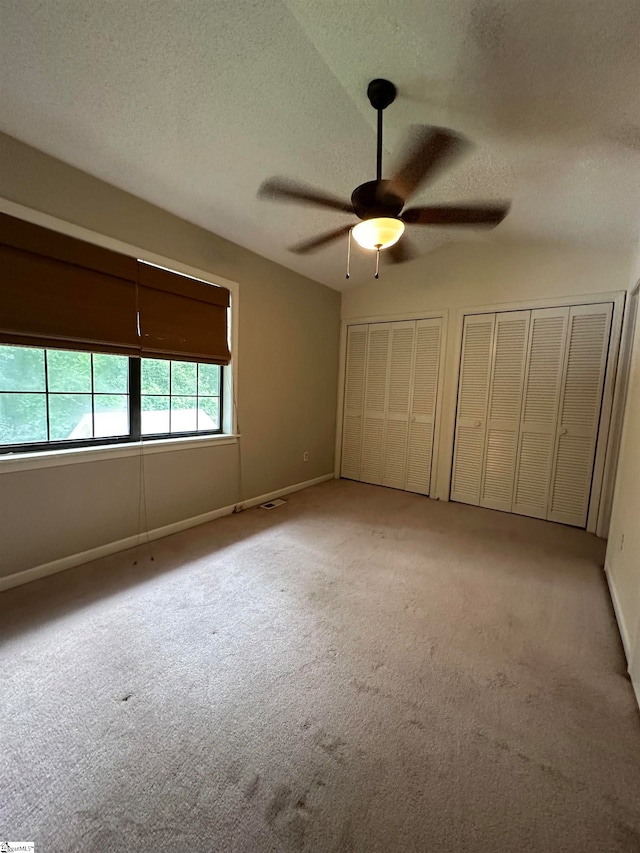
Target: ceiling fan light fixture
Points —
{"points": [[378, 233]]}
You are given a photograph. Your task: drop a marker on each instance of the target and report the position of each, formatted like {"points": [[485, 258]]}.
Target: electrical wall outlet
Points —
{"points": [[305, 456]]}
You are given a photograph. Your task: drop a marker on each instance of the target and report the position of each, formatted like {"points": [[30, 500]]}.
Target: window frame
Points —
{"points": [[135, 435]]}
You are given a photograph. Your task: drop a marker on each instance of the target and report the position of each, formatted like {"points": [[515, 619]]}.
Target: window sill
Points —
{"points": [[73, 456]]}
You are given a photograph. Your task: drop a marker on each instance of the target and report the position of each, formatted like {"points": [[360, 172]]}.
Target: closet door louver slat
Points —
{"points": [[423, 405], [580, 402], [503, 418], [542, 383], [473, 394], [375, 403], [397, 410], [356, 361]]}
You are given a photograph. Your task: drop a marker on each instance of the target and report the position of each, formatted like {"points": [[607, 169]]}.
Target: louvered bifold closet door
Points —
{"points": [[542, 384], [396, 433], [580, 401], [473, 393], [503, 417], [375, 402], [354, 401], [422, 412]]}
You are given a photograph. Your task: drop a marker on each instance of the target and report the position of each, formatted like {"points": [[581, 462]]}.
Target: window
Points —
{"points": [[59, 398]]}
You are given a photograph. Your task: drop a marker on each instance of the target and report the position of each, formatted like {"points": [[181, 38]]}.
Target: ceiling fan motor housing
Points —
{"points": [[375, 199]]}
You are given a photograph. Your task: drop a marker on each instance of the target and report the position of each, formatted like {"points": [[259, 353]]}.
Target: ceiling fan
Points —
{"points": [[380, 204]]}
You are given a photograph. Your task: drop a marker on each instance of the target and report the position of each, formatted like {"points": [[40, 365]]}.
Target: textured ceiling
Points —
{"points": [[190, 104]]}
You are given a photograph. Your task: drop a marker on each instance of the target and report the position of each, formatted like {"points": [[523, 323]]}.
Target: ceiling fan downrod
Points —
{"points": [[381, 93]]}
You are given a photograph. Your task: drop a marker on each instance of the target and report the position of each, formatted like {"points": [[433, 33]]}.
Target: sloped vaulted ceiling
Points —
{"points": [[191, 104]]}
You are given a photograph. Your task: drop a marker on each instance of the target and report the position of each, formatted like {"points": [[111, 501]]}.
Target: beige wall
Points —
{"points": [[623, 552], [287, 383], [479, 274]]}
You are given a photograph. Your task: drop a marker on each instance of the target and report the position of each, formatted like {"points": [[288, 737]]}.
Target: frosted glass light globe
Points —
{"points": [[378, 233]]}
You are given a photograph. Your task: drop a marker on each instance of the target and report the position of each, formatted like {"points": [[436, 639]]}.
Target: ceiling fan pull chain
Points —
{"points": [[348, 252], [377, 261]]}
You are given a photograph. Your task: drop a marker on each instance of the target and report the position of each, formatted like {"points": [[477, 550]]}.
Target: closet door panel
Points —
{"points": [[423, 404], [354, 401], [580, 402], [542, 384], [503, 417], [401, 356], [473, 391], [391, 384], [375, 403]]}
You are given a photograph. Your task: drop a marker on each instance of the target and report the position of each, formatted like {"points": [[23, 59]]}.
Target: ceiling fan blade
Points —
{"points": [[282, 189], [399, 252], [428, 151], [487, 215], [317, 242]]}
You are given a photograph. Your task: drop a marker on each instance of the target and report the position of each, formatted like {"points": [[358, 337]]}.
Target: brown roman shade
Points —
{"points": [[182, 317], [56, 291], [60, 292]]}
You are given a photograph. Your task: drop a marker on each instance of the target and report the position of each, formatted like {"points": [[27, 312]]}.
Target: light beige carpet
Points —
{"points": [[359, 670]]}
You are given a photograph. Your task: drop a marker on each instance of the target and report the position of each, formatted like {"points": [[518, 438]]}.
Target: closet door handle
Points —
{"points": [[477, 423], [563, 430]]}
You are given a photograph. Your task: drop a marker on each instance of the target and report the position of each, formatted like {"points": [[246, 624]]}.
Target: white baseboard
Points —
{"points": [[73, 560], [624, 634], [288, 490], [636, 690]]}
